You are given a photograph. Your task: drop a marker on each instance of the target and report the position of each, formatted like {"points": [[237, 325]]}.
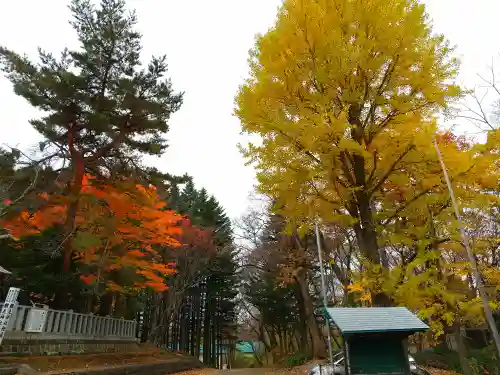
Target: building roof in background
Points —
{"points": [[245, 347]]}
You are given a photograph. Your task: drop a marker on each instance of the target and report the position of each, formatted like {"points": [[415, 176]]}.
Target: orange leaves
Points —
{"points": [[114, 287], [164, 269], [150, 276], [157, 287], [88, 279], [449, 138], [119, 227], [445, 138], [124, 237], [26, 224], [193, 236], [130, 220], [137, 213], [136, 253]]}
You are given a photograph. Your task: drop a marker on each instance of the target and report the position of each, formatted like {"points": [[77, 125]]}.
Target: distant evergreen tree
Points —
{"points": [[279, 307], [220, 308], [207, 318]]}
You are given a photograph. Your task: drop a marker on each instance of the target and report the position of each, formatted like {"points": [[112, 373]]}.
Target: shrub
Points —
{"points": [[296, 359], [479, 360]]}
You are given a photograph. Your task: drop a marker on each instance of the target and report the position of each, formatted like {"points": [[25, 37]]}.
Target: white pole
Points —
{"points": [[475, 270], [325, 303]]}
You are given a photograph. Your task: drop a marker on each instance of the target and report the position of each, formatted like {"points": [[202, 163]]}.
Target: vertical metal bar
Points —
{"points": [[325, 301]]}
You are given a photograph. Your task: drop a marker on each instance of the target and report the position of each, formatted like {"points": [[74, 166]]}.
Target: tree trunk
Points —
{"points": [[318, 342], [304, 340], [199, 316], [105, 306], [462, 350], [206, 326], [75, 187], [360, 207], [366, 236]]}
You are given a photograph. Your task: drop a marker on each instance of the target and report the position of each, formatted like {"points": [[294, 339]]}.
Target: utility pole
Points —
{"points": [[325, 301], [475, 270]]}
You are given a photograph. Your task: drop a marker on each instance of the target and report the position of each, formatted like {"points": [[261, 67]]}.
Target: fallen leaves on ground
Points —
{"points": [[248, 371], [437, 371], [281, 371], [204, 371], [85, 361]]}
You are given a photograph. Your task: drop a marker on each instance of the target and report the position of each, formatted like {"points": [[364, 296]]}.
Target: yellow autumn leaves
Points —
{"points": [[345, 96]]}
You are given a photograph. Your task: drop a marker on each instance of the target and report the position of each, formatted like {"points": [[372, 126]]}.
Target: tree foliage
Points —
{"points": [[102, 110], [98, 230], [97, 95], [341, 111], [344, 98], [198, 310], [279, 292]]}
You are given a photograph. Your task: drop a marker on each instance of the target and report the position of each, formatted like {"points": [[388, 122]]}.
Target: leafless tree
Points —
{"points": [[481, 107]]}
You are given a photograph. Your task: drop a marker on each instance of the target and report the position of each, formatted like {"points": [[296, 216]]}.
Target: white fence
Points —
{"points": [[47, 323]]}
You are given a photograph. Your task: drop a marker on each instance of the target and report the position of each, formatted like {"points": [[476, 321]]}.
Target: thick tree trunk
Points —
{"points": [[304, 339], [366, 236], [78, 163], [360, 207]]}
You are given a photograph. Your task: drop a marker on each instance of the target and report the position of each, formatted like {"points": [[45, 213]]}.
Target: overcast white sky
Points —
{"points": [[207, 45]]}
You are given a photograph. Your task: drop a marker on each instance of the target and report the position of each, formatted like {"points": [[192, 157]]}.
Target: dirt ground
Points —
{"points": [[50, 364], [296, 371], [249, 371], [47, 364]]}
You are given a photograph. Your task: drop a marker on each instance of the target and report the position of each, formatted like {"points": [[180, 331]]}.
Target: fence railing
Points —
{"points": [[48, 322]]}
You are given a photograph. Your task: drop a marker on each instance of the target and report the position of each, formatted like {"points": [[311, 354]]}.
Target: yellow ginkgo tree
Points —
{"points": [[343, 95]]}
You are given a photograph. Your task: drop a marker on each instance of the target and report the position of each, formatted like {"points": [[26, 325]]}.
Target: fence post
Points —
{"points": [[69, 322], [49, 325], [18, 317]]}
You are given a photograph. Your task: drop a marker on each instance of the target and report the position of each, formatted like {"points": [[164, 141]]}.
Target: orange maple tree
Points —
{"points": [[117, 228]]}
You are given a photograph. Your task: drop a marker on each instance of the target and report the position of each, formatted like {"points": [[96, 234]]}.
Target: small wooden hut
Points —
{"points": [[374, 338]]}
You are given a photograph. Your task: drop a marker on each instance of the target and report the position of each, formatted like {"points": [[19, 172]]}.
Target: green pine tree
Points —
{"points": [[207, 317], [103, 109]]}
